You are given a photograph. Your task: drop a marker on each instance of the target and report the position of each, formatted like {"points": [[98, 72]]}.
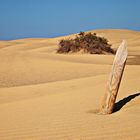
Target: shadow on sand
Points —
{"points": [[124, 101]]}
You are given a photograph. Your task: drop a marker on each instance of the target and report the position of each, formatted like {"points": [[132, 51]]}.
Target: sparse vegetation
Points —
{"points": [[87, 43]]}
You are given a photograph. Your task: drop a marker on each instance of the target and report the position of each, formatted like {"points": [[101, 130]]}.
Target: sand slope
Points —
{"points": [[48, 96]]}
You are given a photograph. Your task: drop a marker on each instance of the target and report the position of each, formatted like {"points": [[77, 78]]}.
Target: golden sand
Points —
{"points": [[49, 96]]}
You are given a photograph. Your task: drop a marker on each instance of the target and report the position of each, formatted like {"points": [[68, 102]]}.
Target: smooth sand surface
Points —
{"points": [[50, 96]]}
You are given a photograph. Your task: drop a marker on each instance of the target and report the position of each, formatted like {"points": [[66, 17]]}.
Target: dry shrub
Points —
{"points": [[86, 42]]}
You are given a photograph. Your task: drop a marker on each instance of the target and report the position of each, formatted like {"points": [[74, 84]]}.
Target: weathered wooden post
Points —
{"points": [[114, 80]]}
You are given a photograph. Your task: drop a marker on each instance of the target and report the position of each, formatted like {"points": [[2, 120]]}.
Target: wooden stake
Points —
{"points": [[114, 81]]}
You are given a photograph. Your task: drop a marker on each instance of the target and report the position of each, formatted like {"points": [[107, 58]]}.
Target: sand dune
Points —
{"points": [[49, 96]]}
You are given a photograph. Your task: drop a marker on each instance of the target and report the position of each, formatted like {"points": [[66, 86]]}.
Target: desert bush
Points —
{"points": [[87, 43]]}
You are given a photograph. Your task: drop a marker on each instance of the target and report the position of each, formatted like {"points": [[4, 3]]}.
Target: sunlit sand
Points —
{"points": [[50, 96]]}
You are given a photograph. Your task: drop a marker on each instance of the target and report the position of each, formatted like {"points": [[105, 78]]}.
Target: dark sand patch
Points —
{"points": [[135, 60]]}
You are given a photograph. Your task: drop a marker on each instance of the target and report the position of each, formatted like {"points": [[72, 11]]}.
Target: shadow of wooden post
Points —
{"points": [[114, 80], [124, 101]]}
